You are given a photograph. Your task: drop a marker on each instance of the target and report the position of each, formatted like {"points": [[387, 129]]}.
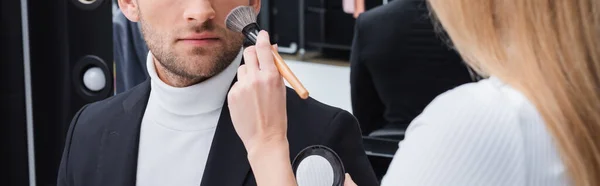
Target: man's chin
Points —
{"points": [[208, 63], [200, 58]]}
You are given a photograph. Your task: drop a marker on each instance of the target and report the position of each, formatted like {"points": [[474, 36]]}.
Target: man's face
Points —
{"points": [[189, 37]]}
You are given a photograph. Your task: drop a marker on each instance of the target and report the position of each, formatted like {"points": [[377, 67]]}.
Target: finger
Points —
{"points": [[241, 73], [348, 181], [250, 59], [232, 94], [265, 52]]}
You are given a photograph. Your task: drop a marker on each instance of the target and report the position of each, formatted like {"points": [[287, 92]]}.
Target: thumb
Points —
{"points": [[348, 181]]}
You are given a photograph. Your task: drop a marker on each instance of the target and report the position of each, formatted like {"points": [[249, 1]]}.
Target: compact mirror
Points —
{"points": [[318, 165]]}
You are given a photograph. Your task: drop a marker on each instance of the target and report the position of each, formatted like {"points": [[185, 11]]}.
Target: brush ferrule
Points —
{"points": [[251, 32]]}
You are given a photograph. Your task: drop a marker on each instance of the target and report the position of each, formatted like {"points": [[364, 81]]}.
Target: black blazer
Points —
{"points": [[398, 65], [102, 143]]}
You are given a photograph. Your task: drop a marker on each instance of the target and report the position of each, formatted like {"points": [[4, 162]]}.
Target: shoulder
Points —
{"points": [[474, 129], [486, 113], [94, 115], [489, 111], [310, 106], [112, 103], [488, 100], [315, 117]]}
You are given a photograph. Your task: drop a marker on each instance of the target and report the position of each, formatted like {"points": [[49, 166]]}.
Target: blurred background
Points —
{"points": [[384, 63]]}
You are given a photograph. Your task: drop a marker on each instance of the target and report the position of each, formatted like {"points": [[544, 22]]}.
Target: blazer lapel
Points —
{"points": [[120, 141], [227, 163]]}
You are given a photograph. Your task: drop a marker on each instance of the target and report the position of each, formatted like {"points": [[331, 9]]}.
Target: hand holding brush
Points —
{"points": [[243, 19]]}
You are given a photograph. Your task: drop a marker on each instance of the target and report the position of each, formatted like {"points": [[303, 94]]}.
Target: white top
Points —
{"points": [[178, 128], [483, 133]]}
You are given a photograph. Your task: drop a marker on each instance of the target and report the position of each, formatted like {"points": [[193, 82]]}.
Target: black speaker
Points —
{"points": [[13, 124], [66, 47]]}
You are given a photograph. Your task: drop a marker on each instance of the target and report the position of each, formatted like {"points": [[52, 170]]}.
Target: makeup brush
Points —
{"points": [[243, 19]]}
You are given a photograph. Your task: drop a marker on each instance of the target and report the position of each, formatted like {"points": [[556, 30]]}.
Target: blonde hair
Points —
{"points": [[550, 51]]}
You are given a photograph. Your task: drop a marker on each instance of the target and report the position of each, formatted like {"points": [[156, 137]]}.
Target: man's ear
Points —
{"points": [[256, 5], [130, 9]]}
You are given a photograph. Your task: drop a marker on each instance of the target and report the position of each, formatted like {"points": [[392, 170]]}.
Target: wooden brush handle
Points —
{"points": [[288, 75]]}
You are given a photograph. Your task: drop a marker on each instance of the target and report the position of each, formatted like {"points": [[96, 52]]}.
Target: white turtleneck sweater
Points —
{"points": [[178, 128]]}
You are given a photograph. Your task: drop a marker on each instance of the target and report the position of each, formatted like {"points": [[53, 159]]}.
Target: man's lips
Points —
{"points": [[200, 39], [199, 42]]}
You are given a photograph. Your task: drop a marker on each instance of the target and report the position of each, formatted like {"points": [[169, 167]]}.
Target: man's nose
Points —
{"points": [[199, 10]]}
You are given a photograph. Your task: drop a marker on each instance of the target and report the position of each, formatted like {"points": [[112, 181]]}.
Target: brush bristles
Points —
{"points": [[240, 17]]}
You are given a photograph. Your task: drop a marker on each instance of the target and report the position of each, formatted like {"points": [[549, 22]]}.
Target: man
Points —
{"points": [[175, 128], [398, 65]]}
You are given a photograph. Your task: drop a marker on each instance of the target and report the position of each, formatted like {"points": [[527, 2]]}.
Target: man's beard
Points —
{"points": [[212, 61]]}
